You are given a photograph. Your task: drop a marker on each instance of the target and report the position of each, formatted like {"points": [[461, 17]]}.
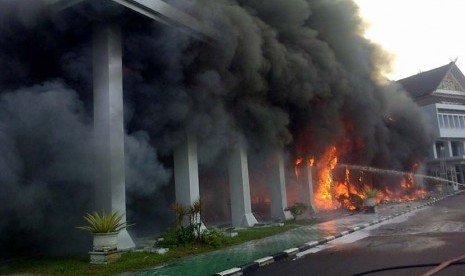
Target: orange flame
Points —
{"points": [[311, 161], [324, 194], [332, 194], [298, 162]]}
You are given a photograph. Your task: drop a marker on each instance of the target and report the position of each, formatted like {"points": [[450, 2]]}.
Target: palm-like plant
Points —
{"points": [[104, 223], [371, 192], [195, 212], [196, 207], [180, 212]]}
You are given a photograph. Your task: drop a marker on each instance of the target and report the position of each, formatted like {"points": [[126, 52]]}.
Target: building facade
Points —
{"points": [[440, 94]]}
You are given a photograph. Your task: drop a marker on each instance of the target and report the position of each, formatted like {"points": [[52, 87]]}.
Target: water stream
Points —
{"points": [[394, 172]]}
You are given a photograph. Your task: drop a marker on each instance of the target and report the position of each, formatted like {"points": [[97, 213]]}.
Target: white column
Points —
{"points": [[186, 171], [306, 195], [277, 186], [449, 147], [241, 210], [109, 124], [186, 175]]}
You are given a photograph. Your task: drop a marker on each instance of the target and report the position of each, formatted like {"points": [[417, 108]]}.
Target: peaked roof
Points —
{"points": [[427, 82]]}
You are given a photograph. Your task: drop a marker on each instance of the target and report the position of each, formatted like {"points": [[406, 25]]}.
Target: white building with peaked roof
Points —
{"points": [[440, 93]]}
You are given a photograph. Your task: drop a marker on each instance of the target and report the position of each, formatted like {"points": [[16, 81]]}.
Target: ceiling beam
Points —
{"points": [[169, 15], [155, 9], [59, 5]]}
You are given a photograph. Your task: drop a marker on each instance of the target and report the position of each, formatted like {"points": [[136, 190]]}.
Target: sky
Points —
{"points": [[421, 34]]}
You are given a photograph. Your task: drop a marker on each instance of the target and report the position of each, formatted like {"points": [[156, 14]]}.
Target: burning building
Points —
{"points": [[440, 93], [279, 80]]}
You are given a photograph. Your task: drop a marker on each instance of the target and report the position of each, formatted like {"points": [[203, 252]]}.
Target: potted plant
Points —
{"points": [[370, 196], [104, 228]]}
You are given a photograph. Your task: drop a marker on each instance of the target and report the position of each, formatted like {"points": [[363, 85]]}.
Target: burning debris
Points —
{"points": [[294, 74], [325, 194], [339, 186]]}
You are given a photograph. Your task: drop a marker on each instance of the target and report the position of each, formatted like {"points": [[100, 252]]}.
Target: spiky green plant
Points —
{"points": [[103, 223], [371, 192]]}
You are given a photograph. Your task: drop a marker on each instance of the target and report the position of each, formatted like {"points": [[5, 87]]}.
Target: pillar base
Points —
{"points": [[97, 257], [277, 187], [283, 215], [311, 208], [241, 209], [248, 220], [125, 241], [203, 228]]}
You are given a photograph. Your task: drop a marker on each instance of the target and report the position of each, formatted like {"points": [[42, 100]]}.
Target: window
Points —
{"points": [[441, 120], [455, 148], [440, 149], [448, 120], [459, 174]]}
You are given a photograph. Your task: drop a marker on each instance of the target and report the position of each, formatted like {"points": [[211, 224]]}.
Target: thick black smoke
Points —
{"points": [[296, 74], [293, 73]]}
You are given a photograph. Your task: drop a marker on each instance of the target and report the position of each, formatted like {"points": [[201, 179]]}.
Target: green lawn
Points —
{"points": [[132, 261]]}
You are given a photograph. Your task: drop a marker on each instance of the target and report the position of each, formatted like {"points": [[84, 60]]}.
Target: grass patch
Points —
{"points": [[132, 261]]}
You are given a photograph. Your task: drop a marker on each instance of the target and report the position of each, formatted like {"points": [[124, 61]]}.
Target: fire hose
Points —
{"points": [[443, 265]]}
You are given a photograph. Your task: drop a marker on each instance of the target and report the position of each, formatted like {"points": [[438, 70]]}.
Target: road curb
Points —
{"points": [[291, 252]]}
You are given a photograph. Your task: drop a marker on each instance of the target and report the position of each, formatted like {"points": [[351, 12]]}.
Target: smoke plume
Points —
{"points": [[295, 74]]}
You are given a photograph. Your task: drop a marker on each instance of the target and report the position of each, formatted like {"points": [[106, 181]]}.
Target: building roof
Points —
{"points": [[425, 83], [445, 84]]}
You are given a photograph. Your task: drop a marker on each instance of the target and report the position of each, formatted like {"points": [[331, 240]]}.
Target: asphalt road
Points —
{"points": [[428, 236]]}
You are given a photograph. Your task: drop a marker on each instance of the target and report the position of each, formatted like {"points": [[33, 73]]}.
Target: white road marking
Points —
{"points": [[355, 236]]}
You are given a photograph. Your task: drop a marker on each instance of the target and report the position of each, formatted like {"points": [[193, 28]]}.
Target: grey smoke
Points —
{"points": [[296, 74], [46, 168]]}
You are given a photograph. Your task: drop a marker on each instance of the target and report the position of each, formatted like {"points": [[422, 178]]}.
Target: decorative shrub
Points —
{"points": [[213, 237], [103, 223], [297, 209], [182, 234]]}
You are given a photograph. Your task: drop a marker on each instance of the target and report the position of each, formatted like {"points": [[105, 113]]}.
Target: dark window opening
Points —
{"points": [[440, 149], [455, 148]]}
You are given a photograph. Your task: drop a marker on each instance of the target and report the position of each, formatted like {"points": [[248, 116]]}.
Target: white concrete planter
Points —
{"points": [[369, 202], [105, 241]]}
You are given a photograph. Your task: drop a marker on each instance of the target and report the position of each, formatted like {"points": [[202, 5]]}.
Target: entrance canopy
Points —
{"points": [[155, 9]]}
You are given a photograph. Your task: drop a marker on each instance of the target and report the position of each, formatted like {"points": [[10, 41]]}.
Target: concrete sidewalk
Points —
{"points": [[249, 256]]}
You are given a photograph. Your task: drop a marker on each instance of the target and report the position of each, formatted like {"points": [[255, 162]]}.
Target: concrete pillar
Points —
{"points": [[306, 189], [109, 124], [186, 171], [241, 210], [277, 186], [449, 148]]}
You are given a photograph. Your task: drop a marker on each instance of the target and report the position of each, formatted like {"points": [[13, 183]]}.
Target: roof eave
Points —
{"points": [[156, 10]]}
